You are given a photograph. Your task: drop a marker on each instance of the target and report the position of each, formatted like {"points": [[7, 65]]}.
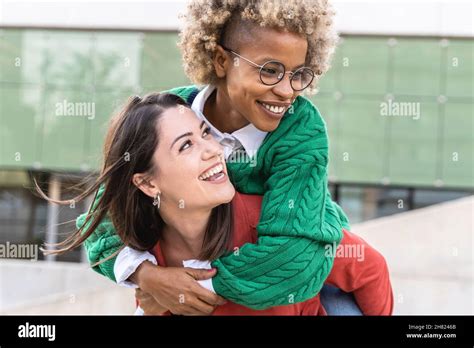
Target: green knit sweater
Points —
{"points": [[289, 263]]}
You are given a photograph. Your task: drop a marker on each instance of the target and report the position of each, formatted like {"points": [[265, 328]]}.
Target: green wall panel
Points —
{"points": [[413, 147], [10, 55], [460, 67], [41, 68], [159, 49], [457, 160], [360, 148], [20, 126], [67, 59], [117, 59], [416, 67], [65, 116], [107, 104], [363, 66]]}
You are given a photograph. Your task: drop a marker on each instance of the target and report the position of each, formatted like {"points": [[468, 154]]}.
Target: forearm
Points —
{"points": [[289, 262], [276, 271], [141, 275], [127, 263]]}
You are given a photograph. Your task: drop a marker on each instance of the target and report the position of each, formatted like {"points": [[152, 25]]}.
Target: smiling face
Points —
{"points": [[189, 166], [245, 94]]}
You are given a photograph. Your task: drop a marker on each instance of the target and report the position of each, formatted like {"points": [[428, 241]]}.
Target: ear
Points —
{"points": [[147, 186], [221, 62]]}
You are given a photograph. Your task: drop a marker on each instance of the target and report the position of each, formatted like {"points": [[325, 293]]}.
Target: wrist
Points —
{"points": [[141, 276]]}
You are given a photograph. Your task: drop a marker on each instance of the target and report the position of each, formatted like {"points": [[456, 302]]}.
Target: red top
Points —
{"points": [[366, 277]]}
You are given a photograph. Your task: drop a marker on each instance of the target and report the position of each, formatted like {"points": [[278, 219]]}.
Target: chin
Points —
{"points": [[263, 124], [266, 126], [229, 194], [269, 127], [225, 195]]}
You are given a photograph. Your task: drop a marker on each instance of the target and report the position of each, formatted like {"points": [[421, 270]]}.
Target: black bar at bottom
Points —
{"points": [[115, 330]]}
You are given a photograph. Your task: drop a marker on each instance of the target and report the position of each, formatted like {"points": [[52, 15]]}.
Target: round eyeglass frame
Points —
{"points": [[282, 74]]}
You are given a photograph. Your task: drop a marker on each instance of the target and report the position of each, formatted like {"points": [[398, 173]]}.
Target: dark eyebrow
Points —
{"points": [[186, 134], [181, 136]]}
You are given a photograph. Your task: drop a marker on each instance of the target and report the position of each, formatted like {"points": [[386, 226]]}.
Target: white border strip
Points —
{"points": [[402, 17]]}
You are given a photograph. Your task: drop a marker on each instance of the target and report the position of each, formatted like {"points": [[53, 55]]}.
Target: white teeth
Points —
{"points": [[217, 169], [273, 108]]}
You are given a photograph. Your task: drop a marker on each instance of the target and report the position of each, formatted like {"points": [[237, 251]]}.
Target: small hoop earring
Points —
{"points": [[157, 201]]}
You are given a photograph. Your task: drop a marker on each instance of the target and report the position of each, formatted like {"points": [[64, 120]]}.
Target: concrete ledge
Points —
{"points": [[59, 288], [430, 255]]}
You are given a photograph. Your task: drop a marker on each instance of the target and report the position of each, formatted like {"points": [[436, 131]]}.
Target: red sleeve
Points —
{"points": [[362, 270]]}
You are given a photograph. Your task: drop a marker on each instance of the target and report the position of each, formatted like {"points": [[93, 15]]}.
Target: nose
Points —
{"points": [[212, 149], [283, 88]]}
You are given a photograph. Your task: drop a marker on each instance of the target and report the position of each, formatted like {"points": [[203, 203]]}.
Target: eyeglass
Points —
{"points": [[273, 72]]}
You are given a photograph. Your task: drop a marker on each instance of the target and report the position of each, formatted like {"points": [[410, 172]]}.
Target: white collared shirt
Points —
{"points": [[249, 137]]}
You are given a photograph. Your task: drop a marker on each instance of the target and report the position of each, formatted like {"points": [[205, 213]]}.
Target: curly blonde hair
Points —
{"points": [[206, 21]]}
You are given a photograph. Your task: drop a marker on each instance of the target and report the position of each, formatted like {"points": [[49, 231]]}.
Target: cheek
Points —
{"points": [[243, 82], [245, 94], [178, 179]]}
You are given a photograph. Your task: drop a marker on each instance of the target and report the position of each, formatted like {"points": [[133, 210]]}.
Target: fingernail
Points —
{"points": [[210, 270]]}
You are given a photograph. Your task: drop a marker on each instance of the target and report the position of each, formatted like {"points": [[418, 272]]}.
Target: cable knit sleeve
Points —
{"points": [[289, 263], [102, 243]]}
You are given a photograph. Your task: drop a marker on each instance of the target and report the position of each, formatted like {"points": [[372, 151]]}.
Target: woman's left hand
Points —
{"points": [[148, 303]]}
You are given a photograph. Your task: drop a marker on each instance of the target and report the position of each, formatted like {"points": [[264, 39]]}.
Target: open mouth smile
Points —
{"points": [[274, 109], [216, 172]]}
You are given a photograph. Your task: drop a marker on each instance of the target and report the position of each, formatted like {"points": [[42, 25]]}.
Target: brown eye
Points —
{"points": [[270, 71], [206, 132], [186, 145]]}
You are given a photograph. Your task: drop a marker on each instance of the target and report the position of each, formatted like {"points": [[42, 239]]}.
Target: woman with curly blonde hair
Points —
{"points": [[253, 60]]}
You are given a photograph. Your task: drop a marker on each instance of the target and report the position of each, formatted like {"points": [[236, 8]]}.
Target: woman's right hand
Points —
{"points": [[177, 289]]}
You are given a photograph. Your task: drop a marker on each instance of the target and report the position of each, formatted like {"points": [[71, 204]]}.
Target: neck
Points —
{"points": [[183, 234], [218, 105]]}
